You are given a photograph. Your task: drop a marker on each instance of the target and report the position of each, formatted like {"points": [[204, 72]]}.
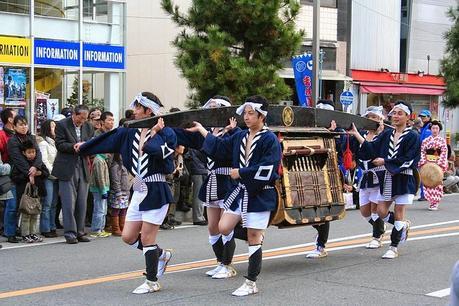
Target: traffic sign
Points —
{"points": [[346, 98]]}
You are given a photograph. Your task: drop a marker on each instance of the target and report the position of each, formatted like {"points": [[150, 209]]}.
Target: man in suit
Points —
{"points": [[72, 171]]}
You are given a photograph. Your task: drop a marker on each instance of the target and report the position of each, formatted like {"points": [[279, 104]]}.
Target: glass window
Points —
{"points": [[96, 10], [323, 3], [15, 6], [57, 8]]}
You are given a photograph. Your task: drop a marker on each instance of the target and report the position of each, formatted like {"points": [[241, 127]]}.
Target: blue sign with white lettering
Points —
{"points": [[302, 70], [56, 53], [103, 56], [346, 98]]}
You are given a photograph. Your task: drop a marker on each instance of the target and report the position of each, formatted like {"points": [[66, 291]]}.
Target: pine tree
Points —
{"points": [[235, 48], [450, 62], [73, 99]]}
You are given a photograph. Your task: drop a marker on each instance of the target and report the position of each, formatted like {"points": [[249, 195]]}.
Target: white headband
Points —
{"points": [[403, 107], [376, 110], [325, 106], [147, 103], [218, 102], [255, 106]]}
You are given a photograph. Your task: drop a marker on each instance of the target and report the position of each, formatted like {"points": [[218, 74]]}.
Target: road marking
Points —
{"points": [[440, 293], [293, 250]]}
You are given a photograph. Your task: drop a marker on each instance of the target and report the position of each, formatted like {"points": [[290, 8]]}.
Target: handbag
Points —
{"points": [[5, 184], [30, 201]]}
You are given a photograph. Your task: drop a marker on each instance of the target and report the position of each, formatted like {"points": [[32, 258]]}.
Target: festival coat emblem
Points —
{"points": [[287, 116]]}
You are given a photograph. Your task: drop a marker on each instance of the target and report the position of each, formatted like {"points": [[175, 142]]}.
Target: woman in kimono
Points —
{"points": [[213, 190], [148, 155], [256, 157], [434, 150], [398, 150]]}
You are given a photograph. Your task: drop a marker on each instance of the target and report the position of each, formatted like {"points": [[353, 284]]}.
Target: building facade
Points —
{"points": [[48, 46], [396, 48]]}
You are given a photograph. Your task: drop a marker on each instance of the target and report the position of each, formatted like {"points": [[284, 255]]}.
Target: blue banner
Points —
{"points": [[302, 69], [57, 53], [103, 56]]}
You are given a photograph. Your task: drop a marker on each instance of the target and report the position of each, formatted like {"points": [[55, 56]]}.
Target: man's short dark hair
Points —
{"points": [[260, 100], [26, 145], [6, 114], [174, 109], [152, 97], [20, 119], [149, 96], [81, 108], [128, 114], [67, 111], [222, 98], [104, 115]]}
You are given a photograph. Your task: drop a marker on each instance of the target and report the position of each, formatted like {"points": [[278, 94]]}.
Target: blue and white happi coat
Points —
{"points": [[258, 171], [218, 182], [150, 169], [400, 161], [370, 178]]}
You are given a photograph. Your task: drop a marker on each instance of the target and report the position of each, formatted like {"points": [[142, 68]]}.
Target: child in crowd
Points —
{"points": [[99, 185], [119, 194], [351, 178], [30, 223]]}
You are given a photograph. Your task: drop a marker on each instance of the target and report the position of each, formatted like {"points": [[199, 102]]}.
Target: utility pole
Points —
{"points": [[315, 51]]}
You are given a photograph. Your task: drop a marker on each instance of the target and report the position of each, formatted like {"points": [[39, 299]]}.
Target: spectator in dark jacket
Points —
{"points": [[30, 222], [17, 160], [196, 163]]}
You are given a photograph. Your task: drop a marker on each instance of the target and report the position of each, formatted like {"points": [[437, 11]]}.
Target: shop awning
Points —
{"points": [[386, 82], [394, 89]]}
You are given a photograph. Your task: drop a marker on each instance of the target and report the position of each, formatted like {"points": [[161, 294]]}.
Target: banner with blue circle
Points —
{"points": [[103, 56], [56, 53], [302, 69]]}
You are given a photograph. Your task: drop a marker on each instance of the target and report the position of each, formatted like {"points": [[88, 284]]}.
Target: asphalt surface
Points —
{"points": [[61, 274]]}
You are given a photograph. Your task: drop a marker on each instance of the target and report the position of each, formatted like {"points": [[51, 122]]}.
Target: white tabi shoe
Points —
{"points": [[319, 252], [163, 261], [391, 253], [406, 230], [225, 272], [214, 270], [147, 287], [247, 288], [375, 243]]}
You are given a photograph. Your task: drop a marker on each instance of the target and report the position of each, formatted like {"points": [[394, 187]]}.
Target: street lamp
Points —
{"points": [[321, 60], [428, 62]]}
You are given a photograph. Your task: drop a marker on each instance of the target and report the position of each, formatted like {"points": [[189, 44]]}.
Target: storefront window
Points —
{"points": [[51, 92], [418, 102], [14, 88], [15, 6], [57, 8]]}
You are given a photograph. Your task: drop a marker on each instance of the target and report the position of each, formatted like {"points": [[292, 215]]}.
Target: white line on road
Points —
{"points": [[440, 293], [61, 240], [354, 246]]}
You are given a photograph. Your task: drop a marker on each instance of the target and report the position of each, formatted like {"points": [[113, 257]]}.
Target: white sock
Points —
{"points": [[149, 248], [375, 216], [214, 238], [253, 249], [227, 238], [399, 225]]}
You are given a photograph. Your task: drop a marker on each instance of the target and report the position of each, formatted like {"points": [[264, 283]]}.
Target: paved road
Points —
{"points": [[105, 271]]}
